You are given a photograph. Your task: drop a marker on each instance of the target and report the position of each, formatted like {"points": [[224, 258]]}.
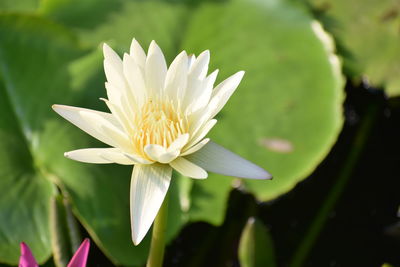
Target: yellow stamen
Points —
{"points": [[158, 122]]}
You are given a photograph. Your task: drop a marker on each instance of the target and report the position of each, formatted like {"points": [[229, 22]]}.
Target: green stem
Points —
{"points": [[73, 227], [157, 247], [318, 223]]}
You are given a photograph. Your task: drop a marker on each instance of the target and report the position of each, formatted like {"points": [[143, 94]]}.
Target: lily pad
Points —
{"points": [[78, 14], [369, 33], [24, 92], [20, 5], [287, 112]]}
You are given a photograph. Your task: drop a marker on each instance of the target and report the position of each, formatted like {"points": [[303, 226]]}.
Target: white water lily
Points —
{"points": [[158, 122]]}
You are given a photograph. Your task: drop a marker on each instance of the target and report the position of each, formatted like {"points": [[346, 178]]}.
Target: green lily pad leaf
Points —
{"points": [[117, 22], [256, 246], [369, 34], [208, 199], [20, 5], [79, 14], [24, 202], [164, 22], [32, 55], [287, 113]]}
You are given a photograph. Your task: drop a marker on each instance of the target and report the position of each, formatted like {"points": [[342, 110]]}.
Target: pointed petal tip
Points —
{"points": [[84, 247], [206, 54], [80, 257], [106, 46], [109, 55], [138, 232], [24, 247], [136, 239], [27, 259], [258, 173], [154, 48], [86, 242], [153, 45], [57, 107], [182, 54], [267, 176], [106, 49]]}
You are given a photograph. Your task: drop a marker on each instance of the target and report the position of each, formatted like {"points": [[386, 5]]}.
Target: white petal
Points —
{"points": [[113, 93], [99, 156], [176, 79], [223, 92], [201, 132], [199, 92], [178, 143], [160, 154], [192, 92], [196, 147], [88, 155], [168, 157], [198, 119], [74, 115], [138, 54], [123, 99], [116, 85], [204, 97], [154, 151], [149, 185], [138, 159], [187, 168], [113, 67], [114, 133], [117, 157], [191, 60], [155, 69], [118, 114], [200, 66], [213, 157], [135, 78]]}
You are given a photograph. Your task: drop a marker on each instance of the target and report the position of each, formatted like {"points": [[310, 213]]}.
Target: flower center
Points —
{"points": [[160, 123]]}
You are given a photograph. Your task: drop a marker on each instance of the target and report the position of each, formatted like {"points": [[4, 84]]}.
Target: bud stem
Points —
{"points": [[157, 247]]}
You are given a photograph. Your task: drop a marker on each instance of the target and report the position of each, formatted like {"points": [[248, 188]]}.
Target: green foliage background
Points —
{"points": [[285, 116]]}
